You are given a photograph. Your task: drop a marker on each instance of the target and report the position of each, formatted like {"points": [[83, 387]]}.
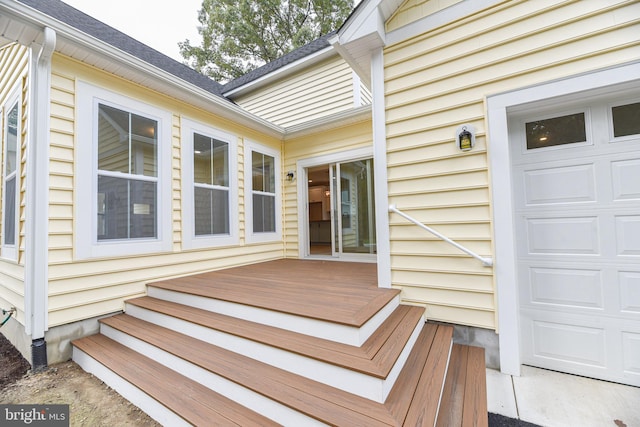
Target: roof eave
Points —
{"points": [[341, 119]]}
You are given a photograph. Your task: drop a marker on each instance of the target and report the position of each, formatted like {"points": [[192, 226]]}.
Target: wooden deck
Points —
{"points": [[205, 367], [339, 292]]}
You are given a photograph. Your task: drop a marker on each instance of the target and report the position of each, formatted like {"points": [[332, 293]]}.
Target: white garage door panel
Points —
{"points": [[626, 179], [563, 235], [631, 353], [569, 343], [629, 291], [568, 287], [583, 345], [560, 185], [577, 213], [628, 235]]}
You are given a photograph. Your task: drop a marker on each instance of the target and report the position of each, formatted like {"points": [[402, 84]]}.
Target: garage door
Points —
{"points": [[576, 180]]}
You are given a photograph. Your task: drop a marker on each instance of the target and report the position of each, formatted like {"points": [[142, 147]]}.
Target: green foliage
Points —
{"points": [[240, 35]]}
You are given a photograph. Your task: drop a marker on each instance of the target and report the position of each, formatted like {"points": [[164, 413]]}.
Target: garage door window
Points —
{"points": [[626, 120], [554, 131]]}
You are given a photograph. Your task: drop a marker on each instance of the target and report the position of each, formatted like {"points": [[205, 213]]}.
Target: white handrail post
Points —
{"points": [[486, 262]]}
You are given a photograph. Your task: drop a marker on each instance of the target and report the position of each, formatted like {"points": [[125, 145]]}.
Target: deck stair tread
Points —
{"points": [[314, 399], [464, 398], [424, 373], [376, 357], [192, 401], [313, 289]]}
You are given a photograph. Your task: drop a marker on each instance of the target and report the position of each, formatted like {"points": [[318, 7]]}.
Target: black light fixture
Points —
{"points": [[465, 137]]}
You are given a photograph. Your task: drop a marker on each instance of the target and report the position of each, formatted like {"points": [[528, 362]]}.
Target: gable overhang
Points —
{"points": [[20, 23], [364, 33]]}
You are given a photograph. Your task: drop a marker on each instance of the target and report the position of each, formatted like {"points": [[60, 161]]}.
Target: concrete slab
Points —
{"points": [[554, 399], [500, 396]]}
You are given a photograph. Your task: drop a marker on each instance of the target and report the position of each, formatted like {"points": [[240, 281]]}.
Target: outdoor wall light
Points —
{"points": [[290, 176], [465, 137]]}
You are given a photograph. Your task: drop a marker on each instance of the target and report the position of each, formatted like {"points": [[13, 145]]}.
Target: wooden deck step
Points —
{"points": [[193, 402], [376, 357], [315, 400], [464, 399], [345, 293], [427, 379]]}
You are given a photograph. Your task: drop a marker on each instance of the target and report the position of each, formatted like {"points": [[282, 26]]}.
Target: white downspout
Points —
{"points": [[380, 170], [37, 198]]}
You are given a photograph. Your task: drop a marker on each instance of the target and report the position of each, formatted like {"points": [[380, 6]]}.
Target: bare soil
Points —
{"points": [[91, 402]]}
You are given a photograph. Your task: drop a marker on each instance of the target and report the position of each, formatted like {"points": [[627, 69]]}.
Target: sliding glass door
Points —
{"points": [[353, 217]]}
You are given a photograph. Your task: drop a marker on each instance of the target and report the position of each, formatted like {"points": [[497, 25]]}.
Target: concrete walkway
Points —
{"points": [[552, 399]]}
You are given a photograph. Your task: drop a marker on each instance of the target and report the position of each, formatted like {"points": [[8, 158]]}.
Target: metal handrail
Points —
{"points": [[487, 262]]}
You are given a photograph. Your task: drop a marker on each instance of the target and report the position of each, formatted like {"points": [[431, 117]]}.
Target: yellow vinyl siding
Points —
{"points": [[439, 80], [61, 169], [412, 10], [365, 95], [346, 138], [313, 93], [20, 232], [14, 63], [80, 289]]}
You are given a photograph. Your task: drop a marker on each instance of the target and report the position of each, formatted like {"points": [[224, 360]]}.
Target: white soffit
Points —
{"points": [[363, 33], [13, 29]]}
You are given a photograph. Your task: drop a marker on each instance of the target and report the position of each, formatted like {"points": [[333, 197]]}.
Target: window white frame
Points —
{"points": [[552, 114], [610, 107], [9, 250], [189, 238], [86, 206], [250, 235]]}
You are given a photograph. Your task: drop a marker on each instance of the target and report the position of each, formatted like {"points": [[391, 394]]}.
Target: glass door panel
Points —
{"points": [[354, 206], [341, 212]]}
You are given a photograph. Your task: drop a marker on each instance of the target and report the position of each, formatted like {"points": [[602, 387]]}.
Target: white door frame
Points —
{"points": [[303, 195], [498, 108]]}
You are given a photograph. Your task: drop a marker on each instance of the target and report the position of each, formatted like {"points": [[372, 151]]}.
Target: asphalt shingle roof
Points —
{"points": [[101, 31]]}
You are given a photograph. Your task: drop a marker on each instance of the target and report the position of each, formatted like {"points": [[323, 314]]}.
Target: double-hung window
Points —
{"points": [[10, 177], [123, 205], [210, 202], [263, 199], [127, 175]]}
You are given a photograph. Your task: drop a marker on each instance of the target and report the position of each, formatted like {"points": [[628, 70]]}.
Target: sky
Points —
{"points": [[159, 24]]}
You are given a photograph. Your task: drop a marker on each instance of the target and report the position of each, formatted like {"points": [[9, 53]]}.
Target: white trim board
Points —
{"points": [[499, 107]]}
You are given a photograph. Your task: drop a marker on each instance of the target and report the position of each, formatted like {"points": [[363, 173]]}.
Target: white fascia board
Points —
{"points": [[70, 34], [283, 71]]}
